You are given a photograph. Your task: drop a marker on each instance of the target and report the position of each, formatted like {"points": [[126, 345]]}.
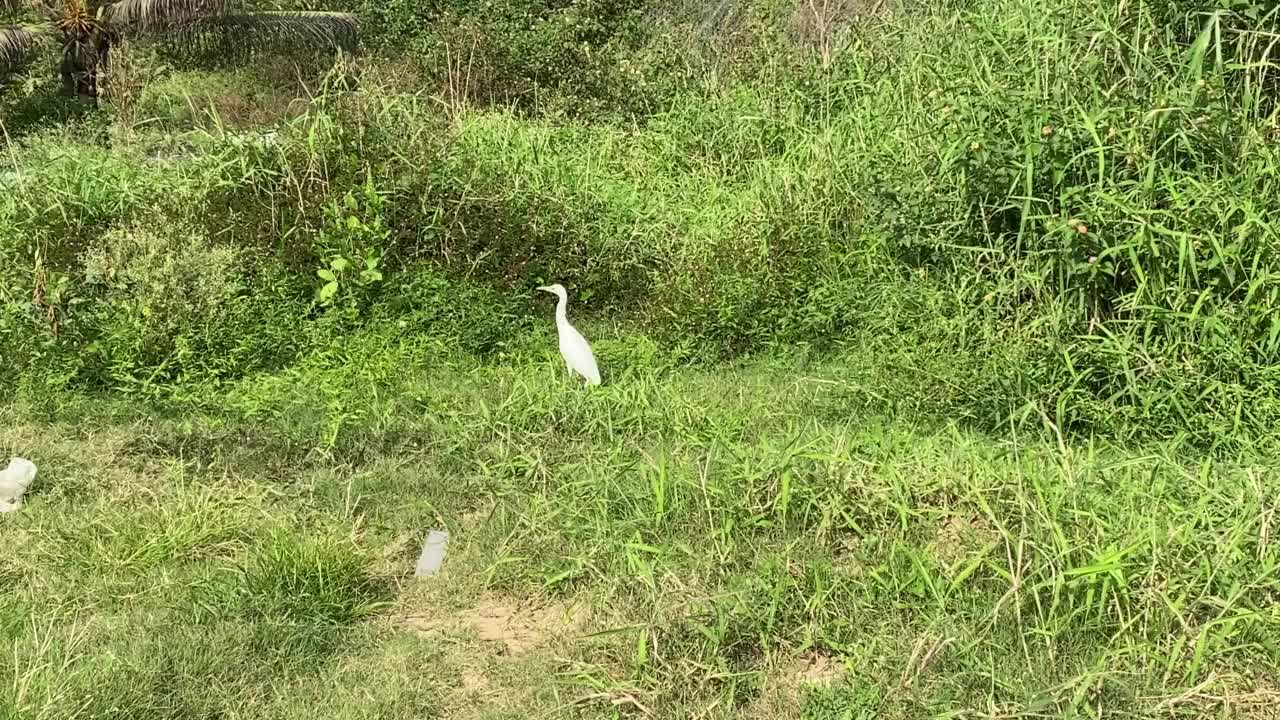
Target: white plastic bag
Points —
{"points": [[14, 481]]}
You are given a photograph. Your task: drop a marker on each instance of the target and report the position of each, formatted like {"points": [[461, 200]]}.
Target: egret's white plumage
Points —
{"points": [[573, 347]]}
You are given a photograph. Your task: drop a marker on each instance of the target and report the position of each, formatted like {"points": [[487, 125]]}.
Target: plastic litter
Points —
{"points": [[14, 481], [433, 552]]}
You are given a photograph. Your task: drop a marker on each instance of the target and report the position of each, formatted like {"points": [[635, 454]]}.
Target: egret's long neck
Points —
{"points": [[562, 318]]}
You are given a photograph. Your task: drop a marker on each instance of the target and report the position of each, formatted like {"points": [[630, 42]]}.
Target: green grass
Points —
{"points": [[717, 531], [940, 363]]}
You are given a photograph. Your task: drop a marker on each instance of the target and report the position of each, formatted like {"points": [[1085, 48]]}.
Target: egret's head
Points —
{"points": [[557, 290]]}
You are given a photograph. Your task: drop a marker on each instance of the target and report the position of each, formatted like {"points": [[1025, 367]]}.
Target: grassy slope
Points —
{"points": [[1080, 228], [762, 539], [696, 543]]}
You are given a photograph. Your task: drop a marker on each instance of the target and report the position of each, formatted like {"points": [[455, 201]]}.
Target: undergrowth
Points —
{"points": [[1080, 230], [939, 346]]}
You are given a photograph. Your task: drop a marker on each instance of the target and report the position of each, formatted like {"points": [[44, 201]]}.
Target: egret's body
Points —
{"points": [[573, 347]]}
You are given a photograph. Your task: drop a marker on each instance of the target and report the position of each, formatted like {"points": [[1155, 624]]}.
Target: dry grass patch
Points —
{"points": [[513, 627]]}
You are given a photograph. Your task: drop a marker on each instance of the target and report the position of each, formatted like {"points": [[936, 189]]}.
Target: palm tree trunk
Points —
{"points": [[67, 70], [102, 67], [82, 56]]}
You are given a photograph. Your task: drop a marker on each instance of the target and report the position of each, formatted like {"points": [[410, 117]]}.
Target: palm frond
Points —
{"points": [[275, 30], [162, 15], [16, 45]]}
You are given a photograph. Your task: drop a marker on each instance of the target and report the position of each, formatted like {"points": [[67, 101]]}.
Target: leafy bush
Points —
{"points": [[168, 303], [351, 247], [553, 56], [459, 316]]}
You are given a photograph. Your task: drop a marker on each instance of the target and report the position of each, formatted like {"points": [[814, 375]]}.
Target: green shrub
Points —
{"points": [[168, 303], [551, 56], [459, 316], [351, 248]]}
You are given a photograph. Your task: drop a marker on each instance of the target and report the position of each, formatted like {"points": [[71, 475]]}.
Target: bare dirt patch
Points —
{"points": [[496, 644], [514, 627], [782, 689], [959, 536], [816, 668]]}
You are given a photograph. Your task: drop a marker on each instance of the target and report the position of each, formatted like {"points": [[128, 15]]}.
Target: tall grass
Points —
{"points": [[881, 313], [1024, 210], [713, 525]]}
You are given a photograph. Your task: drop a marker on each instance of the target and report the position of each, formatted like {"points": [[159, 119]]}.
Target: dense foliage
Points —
{"points": [[1084, 231], [889, 297]]}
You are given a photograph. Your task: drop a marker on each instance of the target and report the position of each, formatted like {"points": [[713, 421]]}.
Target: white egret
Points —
{"points": [[573, 347]]}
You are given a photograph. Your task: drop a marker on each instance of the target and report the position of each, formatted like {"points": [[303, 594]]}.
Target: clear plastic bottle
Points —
{"points": [[433, 551]]}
